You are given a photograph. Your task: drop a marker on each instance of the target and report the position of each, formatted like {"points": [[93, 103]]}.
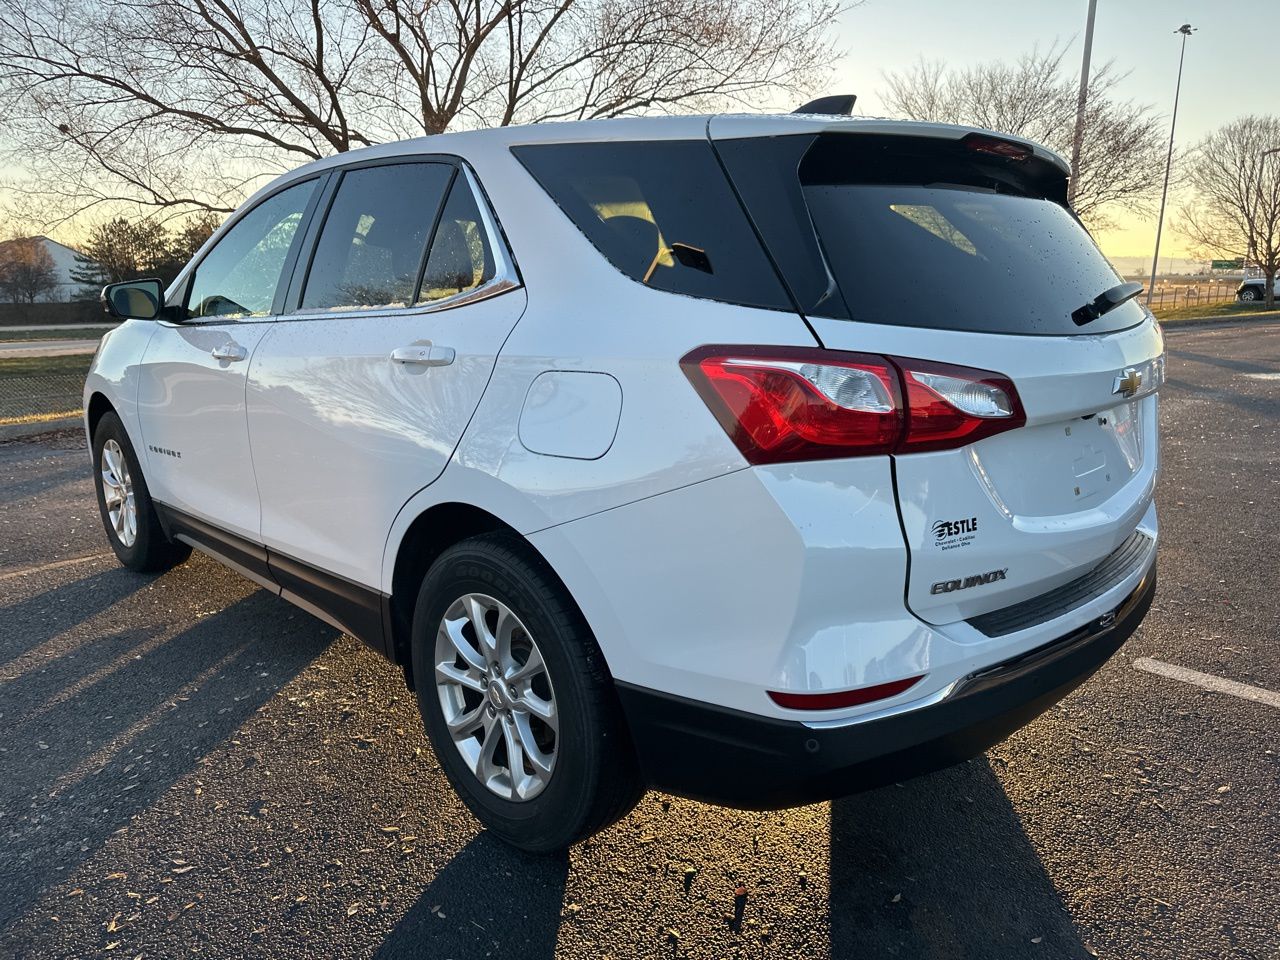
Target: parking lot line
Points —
{"points": [[1208, 681], [56, 564]]}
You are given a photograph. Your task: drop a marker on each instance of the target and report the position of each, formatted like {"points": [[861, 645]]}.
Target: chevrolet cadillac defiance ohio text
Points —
{"points": [[758, 459]]}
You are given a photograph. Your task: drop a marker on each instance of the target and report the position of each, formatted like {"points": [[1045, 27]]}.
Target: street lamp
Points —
{"points": [[1186, 30], [1078, 139]]}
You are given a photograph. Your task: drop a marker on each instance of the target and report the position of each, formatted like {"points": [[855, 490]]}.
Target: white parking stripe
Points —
{"points": [[26, 572], [1208, 681], [1263, 376]]}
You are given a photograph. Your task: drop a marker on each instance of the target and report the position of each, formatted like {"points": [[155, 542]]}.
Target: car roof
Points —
{"points": [[717, 126]]}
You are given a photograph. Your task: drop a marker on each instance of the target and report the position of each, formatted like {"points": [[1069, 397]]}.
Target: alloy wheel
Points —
{"points": [[496, 697], [117, 492]]}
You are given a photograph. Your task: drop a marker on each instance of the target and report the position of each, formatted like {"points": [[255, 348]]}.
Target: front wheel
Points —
{"points": [[516, 697], [128, 515]]}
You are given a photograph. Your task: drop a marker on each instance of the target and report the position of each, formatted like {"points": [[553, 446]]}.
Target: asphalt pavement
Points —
{"points": [[190, 766]]}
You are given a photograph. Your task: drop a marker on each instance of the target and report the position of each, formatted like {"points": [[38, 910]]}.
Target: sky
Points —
{"points": [[1231, 64]]}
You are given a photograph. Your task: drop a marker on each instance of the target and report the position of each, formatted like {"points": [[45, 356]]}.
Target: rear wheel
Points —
{"points": [[516, 697], [1249, 294], [128, 515]]}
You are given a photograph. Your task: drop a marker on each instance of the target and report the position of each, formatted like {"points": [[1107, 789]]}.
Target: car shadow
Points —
{"points": [[940, 867], [96, 738], [28, 623], [514, 897]]}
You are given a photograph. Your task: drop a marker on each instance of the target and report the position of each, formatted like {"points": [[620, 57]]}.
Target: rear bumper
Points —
{"points": [[742, 760]]}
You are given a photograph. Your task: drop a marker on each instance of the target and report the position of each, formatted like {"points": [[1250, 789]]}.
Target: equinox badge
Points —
{"points": [[947, 586]]}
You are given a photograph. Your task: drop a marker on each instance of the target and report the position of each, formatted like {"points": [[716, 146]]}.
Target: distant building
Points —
{"points": [[64, 261]]}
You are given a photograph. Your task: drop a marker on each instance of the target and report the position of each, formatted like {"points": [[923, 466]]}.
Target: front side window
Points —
{"points": [[370, 251], [663, 213], [239, 276]]}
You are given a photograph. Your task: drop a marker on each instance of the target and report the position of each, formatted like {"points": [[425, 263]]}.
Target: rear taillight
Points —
{"points": [[951, 407], [781, 404]]}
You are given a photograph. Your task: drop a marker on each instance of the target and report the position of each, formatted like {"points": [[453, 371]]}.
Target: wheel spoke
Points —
{"points": [[515, 755], [544, 710], [465, 724], [541, 762], [486, 769], [476, 611], [529, 669], [452, 631], [463, 678]]}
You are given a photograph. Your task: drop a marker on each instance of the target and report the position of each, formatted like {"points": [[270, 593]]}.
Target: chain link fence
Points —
{"points": [[27, 398]]}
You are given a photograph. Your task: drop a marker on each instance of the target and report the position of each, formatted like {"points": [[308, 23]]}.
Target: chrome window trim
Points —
{"points": [[506, 277]]}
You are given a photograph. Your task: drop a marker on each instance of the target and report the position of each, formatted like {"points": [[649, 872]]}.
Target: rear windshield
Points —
{"points": [[958, 259], [925, 232], [663, 213]]}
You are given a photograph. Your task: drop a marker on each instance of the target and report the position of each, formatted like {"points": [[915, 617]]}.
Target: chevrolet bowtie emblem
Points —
{"points": [[1128, 383]]}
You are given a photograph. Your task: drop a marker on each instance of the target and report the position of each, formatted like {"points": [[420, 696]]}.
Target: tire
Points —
{"points": [[593, 776], [140, 545], [1249, 295]]}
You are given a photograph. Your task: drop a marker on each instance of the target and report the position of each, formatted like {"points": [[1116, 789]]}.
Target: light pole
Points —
{"points": [[1186, 30], [1083, 96]]}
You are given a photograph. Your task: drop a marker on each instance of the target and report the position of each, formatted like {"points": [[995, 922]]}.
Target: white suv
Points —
{"points": [[755, 459]]}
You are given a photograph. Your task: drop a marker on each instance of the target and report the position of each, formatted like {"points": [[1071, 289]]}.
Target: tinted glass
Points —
{"points": [[925, 232], [956, 259], [460, 258], [371, 246], [663, 213], [239, 276]]}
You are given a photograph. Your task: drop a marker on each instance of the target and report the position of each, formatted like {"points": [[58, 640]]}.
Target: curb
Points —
{"points": [[20, 431]]}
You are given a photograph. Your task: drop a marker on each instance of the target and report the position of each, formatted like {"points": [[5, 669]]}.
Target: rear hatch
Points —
{"points": [[935, 244]]}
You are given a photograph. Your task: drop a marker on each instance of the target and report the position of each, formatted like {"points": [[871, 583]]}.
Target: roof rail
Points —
{"points": [[840, 104]]}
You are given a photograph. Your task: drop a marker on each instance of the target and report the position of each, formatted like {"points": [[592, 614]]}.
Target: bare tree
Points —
{"points": [[27, 271], [1121, 160], [179, 103], [1234, 176]]}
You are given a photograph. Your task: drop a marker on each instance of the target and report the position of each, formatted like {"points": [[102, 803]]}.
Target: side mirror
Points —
{"points": [[136, 299]]}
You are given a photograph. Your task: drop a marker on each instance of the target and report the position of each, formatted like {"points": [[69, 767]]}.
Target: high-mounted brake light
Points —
{"points": [[982, 143], [786, 404]]}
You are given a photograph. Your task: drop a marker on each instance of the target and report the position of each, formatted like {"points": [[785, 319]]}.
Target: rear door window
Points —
{"points": [[460, 259], [663, 213], [371, 247]]}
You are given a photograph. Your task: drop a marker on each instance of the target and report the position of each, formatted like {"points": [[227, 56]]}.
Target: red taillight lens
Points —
{"points": [[843, 698], [951, 407], [783, 404]]}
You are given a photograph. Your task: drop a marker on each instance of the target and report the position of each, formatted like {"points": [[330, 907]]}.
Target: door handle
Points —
{"points": [[424, 355], [230, 352]]}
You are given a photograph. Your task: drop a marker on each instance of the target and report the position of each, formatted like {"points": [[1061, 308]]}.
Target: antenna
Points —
{"points": [[841, 104]]}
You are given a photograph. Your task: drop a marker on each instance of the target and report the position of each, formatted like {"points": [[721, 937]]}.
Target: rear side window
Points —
{"points": [[663, 213], [460, 258], [371, 248], [239, 276]]}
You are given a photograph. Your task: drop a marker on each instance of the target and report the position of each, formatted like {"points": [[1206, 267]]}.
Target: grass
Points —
{"points": [[14, 368], [1229, 308], [52, 333]]}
